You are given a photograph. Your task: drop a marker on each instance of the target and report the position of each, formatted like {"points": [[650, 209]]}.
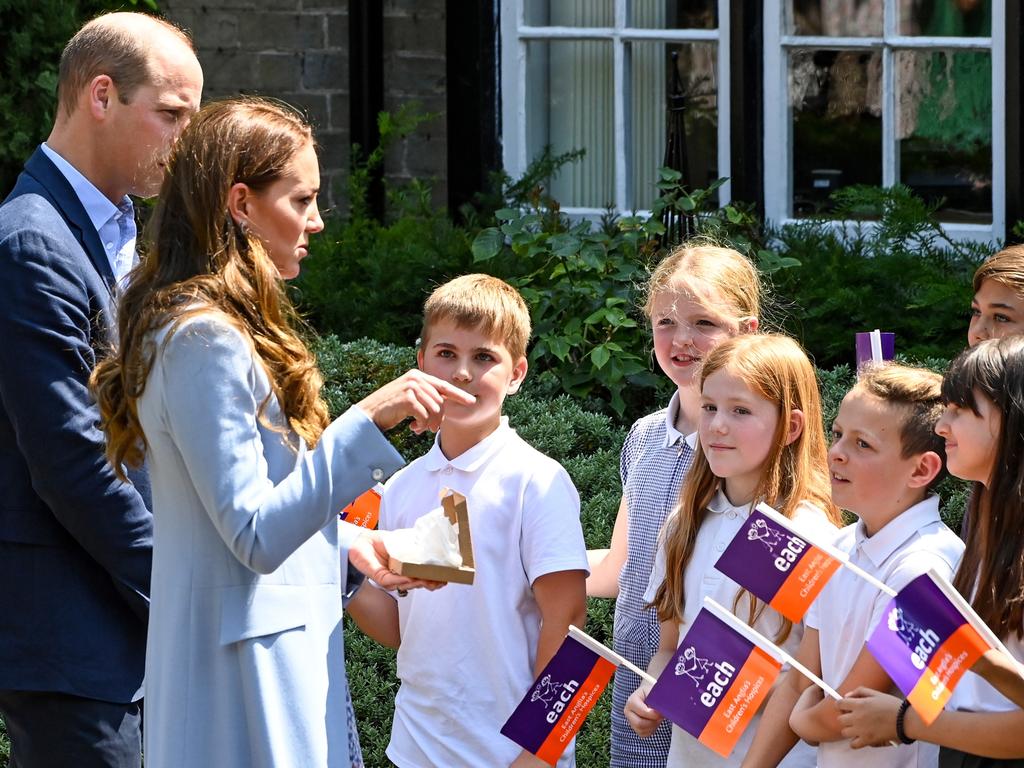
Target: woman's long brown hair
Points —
{"points": [[777, 369], [201, 261], [992, 568]]}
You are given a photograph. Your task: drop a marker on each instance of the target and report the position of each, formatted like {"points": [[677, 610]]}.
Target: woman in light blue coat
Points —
{"points": [[215, 390]]}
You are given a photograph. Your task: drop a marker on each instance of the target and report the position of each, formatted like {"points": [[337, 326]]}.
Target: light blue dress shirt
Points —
{"points": [[114, 223]]}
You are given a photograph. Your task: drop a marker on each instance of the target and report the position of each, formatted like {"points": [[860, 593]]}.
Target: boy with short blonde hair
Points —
{"points": [[885, 461], [467, 654]]}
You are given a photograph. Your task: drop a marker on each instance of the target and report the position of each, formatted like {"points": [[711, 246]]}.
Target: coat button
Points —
{"points": [[377, 474]]}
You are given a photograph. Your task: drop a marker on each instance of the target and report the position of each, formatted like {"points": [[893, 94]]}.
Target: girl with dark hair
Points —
{"points": [[983, 426], [213, 386]]}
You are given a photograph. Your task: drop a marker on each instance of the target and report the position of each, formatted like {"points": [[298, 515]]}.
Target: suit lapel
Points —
{"points": [[71, 208]]}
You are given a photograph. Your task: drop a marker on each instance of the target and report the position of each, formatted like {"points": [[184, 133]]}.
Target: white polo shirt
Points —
{"points": [[468, 651], [701, 579], [849, 608]]}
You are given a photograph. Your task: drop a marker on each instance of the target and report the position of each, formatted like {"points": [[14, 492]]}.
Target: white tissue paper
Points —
{"points": [[431, 541]]}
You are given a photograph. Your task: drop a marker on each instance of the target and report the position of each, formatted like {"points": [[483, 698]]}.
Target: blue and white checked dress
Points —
{"points": [[655, 459]]}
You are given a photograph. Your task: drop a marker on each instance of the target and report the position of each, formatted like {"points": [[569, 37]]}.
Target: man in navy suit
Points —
{"points": [[75, 543]]}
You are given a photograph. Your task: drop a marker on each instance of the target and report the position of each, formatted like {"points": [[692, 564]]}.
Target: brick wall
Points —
{"points": [[297, 50], [414, 70]]}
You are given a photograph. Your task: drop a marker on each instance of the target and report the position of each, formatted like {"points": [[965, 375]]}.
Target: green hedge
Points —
{"points": [[586, 443]]}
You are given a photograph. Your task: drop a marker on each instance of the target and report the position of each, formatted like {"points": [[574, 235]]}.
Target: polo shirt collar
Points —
{"points": [[475, 457], [97, 207], [673, 435], [882, 545], [720, 505]]}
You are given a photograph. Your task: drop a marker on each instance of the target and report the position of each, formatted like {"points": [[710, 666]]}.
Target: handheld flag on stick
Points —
{"points": [[555, 707], [718, 678], [927, 638], [365, 510], [874, 347], [781, 565]]}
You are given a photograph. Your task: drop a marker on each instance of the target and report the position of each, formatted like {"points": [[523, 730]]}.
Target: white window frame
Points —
{"points": [[778, 166], [515, 34]]}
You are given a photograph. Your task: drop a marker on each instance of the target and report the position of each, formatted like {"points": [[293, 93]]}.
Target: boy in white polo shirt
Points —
{"points": [[885, 459], [469, 653]]}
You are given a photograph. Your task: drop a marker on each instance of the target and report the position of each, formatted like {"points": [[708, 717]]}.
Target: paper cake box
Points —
{"points": [[455, 510]]}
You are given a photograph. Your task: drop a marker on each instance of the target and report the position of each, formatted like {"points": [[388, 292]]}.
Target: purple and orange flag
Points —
{"points": [[548, 717], [782, 567], [926, 640], [365, 510], [714, 683]]}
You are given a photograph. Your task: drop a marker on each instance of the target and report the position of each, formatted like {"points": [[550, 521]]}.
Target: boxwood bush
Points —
{"points": [[586, 443]]}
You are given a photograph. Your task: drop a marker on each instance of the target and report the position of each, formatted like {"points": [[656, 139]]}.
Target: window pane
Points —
{"points": [[674, 14], [835, 18], [695, 134], [569, 106], [835, 103], [569, 13], [945, 18], [944, 130]]}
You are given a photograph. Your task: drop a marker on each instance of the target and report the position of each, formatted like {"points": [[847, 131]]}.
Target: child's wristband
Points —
{"points": [[900, 715]]}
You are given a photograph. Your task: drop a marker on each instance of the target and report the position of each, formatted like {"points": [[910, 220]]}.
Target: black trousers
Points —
{"points": [[56, 730], [952, 758]]}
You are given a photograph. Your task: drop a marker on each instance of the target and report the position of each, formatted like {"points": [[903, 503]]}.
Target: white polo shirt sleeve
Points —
{"points": [[552, 536]]}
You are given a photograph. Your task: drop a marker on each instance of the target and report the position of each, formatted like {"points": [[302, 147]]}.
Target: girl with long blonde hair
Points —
{"points": [[697, 297], [761, 440]]}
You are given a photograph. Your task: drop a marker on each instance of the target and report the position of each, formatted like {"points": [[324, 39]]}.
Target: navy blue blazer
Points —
{"points": [[75, 542]]}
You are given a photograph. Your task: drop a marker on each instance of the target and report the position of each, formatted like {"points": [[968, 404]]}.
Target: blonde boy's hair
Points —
{"points": [[917, 394], [1005, 267], [484, 303], [727, 272]]}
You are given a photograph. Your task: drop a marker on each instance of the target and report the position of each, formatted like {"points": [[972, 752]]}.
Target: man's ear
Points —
{"points": [[101, 93], [926, 468], [239, 197], [796, 425], [518, 375], [419, 356]]}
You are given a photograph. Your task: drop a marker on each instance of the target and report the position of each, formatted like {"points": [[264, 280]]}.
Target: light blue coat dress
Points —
{"points": [[245, 658]]}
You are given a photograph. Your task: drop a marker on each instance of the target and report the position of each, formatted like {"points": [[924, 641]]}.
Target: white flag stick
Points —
{"points": [[876, 346], [842, 557], [605, 652], [768, 646]]}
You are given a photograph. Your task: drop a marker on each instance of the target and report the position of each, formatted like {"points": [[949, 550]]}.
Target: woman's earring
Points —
{"points": [[244, 226]]}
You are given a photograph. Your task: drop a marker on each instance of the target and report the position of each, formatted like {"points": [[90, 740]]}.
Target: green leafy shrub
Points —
{"points": [[583, 284], [900, 273], [587, 444]]}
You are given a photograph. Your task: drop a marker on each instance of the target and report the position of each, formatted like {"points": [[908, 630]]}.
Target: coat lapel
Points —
{"points": [[71, 208]]}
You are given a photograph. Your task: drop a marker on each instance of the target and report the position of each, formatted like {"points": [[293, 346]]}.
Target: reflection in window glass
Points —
{"points": [[569, 106], [568, 13], [945, 18], [697, 132], [674, 14], [835, 18], [944, 130], [835, 103]]}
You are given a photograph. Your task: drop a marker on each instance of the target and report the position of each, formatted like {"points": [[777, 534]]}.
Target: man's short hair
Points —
{"points": [[485, 303], [101, 48], [916, 393]]}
